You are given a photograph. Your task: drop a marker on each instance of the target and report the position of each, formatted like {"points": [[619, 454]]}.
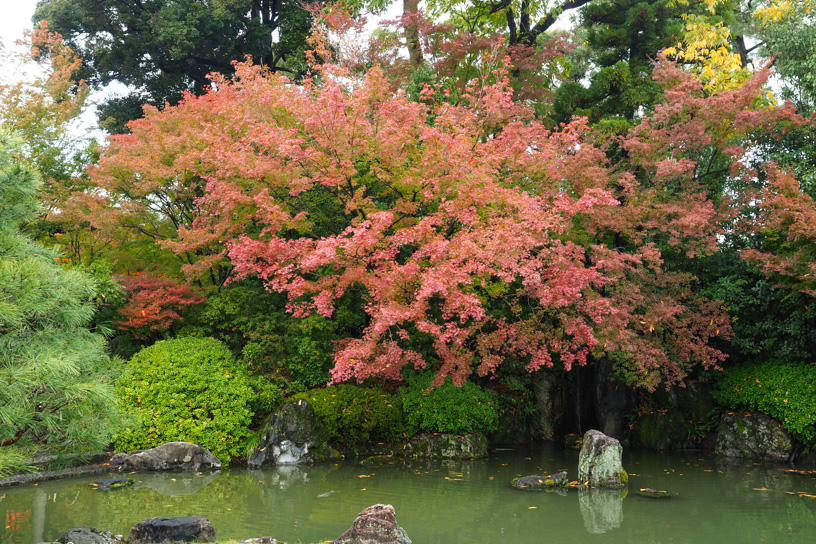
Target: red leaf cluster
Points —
{"points": [[154, 303]]}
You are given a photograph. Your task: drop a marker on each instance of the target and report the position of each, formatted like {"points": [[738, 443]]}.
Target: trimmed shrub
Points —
{"points": [[187, 389], [356, 415], [784, 391], [448, 408]]}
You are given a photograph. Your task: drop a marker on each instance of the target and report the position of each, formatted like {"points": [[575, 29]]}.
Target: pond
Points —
{"points": [[444, 502]]}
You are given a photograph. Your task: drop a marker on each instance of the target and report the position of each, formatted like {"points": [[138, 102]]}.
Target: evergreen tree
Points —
{"points": [[55, 377]]}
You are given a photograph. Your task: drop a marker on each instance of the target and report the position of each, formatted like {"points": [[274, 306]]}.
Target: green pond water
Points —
{"points": [[444, 502]]}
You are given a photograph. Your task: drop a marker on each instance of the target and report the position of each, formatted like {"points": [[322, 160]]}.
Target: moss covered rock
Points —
{"points": [[599, 463], [752, 435]]}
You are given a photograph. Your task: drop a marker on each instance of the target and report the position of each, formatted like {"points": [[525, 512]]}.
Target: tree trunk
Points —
{"points": [[411, 7]]}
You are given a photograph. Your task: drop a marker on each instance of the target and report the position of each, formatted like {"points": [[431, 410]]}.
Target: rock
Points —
{"points": [[447, 446], [650, 493], [549, 393], [661, 430], [375, 525], [599, 463], [541, 483], [614, 401], [261, 540], [169, 456], [292, 436], [113, 483], [89, 535], [180, 529], [752, 436], [683, 418], [513, 429]]}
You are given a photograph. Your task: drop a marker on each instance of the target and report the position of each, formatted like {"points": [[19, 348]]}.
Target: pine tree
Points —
{"points": [[55, 377]]}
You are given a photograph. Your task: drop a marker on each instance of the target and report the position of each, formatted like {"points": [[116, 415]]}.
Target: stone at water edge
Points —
{"points": [[261, 540], [169, 456], [89, 535], [293, 435], [178, 529], [599, 463], [375, 525], [752, 435]]}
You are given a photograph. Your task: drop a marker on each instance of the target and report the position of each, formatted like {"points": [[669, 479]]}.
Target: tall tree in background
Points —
{"points": [[162, 49]]}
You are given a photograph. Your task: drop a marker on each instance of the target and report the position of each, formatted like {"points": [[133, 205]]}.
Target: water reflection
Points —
{"points": [[441, 502], [173, 485], [602, 509]]}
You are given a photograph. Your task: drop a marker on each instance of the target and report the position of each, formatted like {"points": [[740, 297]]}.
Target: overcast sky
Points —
{"points": [[15, 16]]}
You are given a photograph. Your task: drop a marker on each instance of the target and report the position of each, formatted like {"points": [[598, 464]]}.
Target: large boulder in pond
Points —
{"points": [[375, 525], [752, 435], [179, 529], [599, 463], [447, 446], [292, 436], [89, 535], [169, 456]]}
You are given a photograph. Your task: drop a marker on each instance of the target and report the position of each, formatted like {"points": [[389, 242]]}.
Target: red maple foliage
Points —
{"points": [[154, 303], [477, 235]]}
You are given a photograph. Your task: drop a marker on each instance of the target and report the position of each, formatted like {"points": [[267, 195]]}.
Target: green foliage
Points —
{"points": [[448, 408], [267, 396], [768, 322], [56, 393], [188, 389], [356, 415], [784, 391], [254, 322]]}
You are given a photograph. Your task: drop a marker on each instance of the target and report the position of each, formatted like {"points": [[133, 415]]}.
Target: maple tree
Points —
{"points": [[154, 304], [458, 222], [473, 234]]}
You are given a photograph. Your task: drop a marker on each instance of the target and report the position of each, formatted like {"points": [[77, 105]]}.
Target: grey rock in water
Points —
{"points": [[447, 446], [89, 535], [375, 525], [599, 463], [541, 483], [179, 529], [750, 435], [169, 456], [292, 436], [262, 540]]}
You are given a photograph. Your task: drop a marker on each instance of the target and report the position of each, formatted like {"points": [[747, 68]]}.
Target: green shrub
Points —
{"points": [[784, 391], [355, 415], [449, 408], [186, 389], [268, 395]]}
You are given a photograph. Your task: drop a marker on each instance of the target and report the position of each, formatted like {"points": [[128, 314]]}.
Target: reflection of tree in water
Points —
{"points": [[602, 509]]}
